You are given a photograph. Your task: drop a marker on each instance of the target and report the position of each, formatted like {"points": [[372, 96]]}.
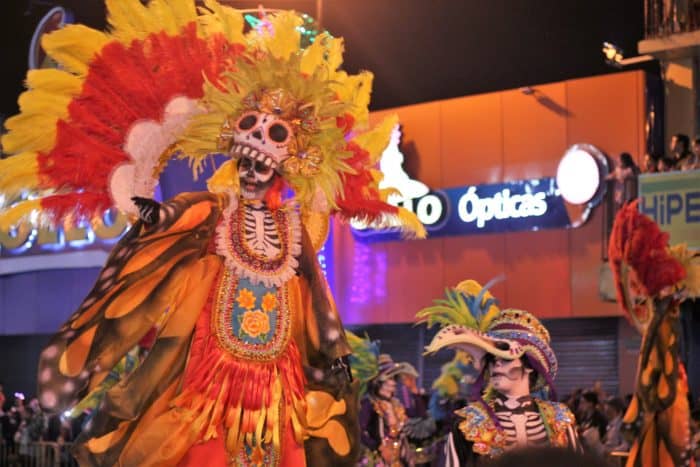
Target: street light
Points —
{"points": [[615, 56]]}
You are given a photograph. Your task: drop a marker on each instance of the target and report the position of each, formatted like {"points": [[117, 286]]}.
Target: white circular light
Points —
{"points": [[578, 176]]}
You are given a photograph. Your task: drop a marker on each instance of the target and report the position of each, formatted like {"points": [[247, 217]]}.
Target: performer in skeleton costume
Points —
{"points": [[383, 420], [249, 362], [511, 348], [383, 417], [652, 279]]}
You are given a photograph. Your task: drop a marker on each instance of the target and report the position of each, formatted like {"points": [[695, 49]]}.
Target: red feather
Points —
{"points": [[638, 241], [124, 84], [360, 197]]}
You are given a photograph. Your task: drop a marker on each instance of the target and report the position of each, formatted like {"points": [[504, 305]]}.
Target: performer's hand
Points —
{"points": [[149, 209], [342, 364]]}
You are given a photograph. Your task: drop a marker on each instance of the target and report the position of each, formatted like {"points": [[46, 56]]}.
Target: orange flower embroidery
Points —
{"points": [[258, 456], [269, 302], [246, 299], [255, 323]]}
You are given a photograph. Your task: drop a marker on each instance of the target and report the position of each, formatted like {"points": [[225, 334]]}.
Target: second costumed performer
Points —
{"points": [[511, 349]]}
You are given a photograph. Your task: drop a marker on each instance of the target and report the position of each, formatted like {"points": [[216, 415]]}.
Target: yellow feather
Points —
{"points": [[313, 55], [225, 178], [386, 192], [29, 132], [285, 39], [411, 225], [183, 12], [54, 81], [335, 48], [172, 15], [691, 263], [46, 101], [223, 19], [74, 46], [17, 173], [11, 217], [128, 19], [355, 89], [377, 139], [473, 288], [38, 101]]}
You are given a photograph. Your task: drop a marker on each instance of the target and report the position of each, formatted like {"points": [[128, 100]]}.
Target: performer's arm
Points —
{"points": [[368, 425], [332, 343], [458, 451]]}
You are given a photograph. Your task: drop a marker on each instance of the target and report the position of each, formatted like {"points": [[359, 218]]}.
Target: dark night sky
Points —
{"points": [[419, 50]]}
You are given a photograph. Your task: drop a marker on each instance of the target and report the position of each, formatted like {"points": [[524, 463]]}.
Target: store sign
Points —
{"points": [[502, 207], [28, 247], [672, 199]]}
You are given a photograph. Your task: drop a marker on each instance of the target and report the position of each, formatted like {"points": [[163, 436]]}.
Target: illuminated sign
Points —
{"points": [[28, 247], [502, 207], [672, 199], [391, 166]]}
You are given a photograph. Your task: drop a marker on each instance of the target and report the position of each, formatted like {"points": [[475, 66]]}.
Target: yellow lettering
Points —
{"points": [[16, 237], [107, 230], [47, 236], [75, 234]]}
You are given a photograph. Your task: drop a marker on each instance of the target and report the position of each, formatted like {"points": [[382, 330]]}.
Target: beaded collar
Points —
{"points": [[241, 259]]}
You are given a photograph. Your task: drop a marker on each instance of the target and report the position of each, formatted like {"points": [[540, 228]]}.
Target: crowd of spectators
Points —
{"points": [[682, 156], [602, 431], [24, 426]]}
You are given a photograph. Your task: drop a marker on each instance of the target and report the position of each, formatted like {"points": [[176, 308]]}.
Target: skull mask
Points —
{"points": [[261, 137], [255, 178]]}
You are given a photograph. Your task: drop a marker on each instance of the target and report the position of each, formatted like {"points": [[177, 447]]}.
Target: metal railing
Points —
{"points": [[36, 454], [665, 17]]}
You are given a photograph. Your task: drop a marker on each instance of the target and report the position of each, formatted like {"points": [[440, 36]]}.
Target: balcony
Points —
{"points": [[671, 29]]}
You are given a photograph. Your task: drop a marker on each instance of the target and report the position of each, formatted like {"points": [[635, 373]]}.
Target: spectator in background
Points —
{"points": [[680, 150], [650, 163], [614, 409], [664, 164], [625, 177], [692, 162], [592, 423], [598, 388]]}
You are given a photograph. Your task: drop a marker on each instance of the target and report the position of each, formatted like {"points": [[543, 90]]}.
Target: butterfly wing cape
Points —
{"points": [[651, 280]]}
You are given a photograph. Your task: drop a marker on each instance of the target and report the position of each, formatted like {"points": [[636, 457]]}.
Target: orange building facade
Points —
{"points": [[492, 138]]}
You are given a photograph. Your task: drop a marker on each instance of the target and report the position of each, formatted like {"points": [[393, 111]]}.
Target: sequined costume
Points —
{"points": [[247, 366], [383, 418], [494, 423]]}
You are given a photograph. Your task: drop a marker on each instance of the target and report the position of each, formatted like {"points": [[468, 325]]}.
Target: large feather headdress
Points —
{"points": [[165, 81]]}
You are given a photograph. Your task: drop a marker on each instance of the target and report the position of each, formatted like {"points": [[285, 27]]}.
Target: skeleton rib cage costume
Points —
{"points": [[492, 424], [247, 335]]}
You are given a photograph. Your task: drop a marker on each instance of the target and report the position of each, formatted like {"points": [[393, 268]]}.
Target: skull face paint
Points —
{"points": [[261, 137], [255, 178], [509, 377]]}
